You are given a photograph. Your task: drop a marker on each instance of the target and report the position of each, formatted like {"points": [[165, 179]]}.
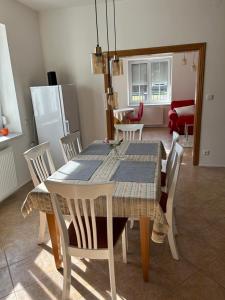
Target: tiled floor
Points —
{"points": [[27, 271]]}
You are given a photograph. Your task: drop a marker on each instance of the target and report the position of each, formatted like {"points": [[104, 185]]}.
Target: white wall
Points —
{"points": [[27, 65], [68, 36], [183, 78]]}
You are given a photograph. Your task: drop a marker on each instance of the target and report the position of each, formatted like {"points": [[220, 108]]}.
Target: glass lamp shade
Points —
{"points": [[97, 63], [112, 99], [117, 67]]}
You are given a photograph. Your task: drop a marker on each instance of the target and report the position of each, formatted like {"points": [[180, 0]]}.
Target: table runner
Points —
{"points": [[130, 199]]}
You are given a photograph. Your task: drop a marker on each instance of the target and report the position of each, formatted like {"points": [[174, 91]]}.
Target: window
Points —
{"points": [[150, 81]]}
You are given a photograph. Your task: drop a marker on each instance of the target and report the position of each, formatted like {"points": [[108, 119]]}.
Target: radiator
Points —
{"points": [[153, 116], [8, 179]]}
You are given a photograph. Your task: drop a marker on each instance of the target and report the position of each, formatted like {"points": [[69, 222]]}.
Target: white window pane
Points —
{"points": [[159, 82], [135, 73], [143, 73], [159, 71]]}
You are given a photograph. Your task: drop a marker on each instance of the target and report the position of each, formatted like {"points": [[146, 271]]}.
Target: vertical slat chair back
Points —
{"points": [[173, 176], [130, 132], [172, 152], [80, 199], [71, 146], [36, 159]]}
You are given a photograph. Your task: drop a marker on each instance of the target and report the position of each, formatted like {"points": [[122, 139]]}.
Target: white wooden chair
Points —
{"points": [[129, 131], [41, 166], [166, 164], [167, 199], [71, 145], [88, 236]]}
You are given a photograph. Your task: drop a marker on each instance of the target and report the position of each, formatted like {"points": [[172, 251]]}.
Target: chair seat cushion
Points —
{"points": [[163, 179], [163, 201], [101, 226]]}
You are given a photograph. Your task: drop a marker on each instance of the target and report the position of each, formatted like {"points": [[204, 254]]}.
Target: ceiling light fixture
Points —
{"points": [[112, 97], [98, 62], [184, 60], [194, 67], [117, 63]]}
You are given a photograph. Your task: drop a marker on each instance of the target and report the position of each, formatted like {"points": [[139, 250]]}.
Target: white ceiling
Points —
{"points": [[41, 5]]}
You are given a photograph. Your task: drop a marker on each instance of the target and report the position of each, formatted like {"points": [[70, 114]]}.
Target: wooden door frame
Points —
{"points": [[201, 48]]}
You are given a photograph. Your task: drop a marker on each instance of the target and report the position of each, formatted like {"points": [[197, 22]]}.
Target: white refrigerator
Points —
{"points": [[56, 115]]}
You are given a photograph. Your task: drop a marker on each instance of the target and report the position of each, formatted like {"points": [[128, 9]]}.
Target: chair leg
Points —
{"points": [[42, 228], [172, 243], [66, 277], [175, 231], [131, 223], [112, 277], [124, 245]]}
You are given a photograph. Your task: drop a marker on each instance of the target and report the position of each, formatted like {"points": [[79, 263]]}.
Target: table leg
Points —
{"points": [[145, 245], [55, 239]]}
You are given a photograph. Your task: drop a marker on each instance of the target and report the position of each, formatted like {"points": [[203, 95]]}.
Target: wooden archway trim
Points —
{"points": [[201, 48]]}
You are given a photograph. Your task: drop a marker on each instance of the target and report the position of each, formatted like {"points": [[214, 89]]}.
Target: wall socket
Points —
{"points": [[206, 152]]}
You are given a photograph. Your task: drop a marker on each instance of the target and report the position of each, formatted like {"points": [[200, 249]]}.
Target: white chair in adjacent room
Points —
{"points": [[87, 236], [167, 199], [166, 164], [129, 131], [41, 166], [71, 145]]}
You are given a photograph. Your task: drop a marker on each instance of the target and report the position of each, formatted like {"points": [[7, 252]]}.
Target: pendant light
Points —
{"points": [[194, 67], [98, 61], [184, 60], [117, 63], [112, 97]]}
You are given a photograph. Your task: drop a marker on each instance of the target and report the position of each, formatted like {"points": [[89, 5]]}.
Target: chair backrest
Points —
{"points": [[71, 145], [140, 110], [173, 176], [39, 162], [181, 103], [175, 140], [129, 131], [80, 200]]}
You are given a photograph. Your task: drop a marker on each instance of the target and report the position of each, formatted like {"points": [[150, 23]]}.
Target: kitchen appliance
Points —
{"points": [[56, 115]]}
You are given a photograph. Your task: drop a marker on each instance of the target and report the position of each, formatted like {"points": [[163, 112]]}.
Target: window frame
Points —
{"points": [[149, 61]]}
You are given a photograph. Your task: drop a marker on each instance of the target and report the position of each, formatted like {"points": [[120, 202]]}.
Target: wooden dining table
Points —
{"points": [[135, 167]]}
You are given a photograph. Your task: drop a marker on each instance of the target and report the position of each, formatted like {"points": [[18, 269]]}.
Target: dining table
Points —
{"points": [[135, 167]]}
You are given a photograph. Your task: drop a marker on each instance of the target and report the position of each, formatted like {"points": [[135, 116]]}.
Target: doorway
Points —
{"points": [[197, 49]]}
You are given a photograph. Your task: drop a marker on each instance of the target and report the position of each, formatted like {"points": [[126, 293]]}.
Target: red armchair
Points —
{"points": [[177, 123]]}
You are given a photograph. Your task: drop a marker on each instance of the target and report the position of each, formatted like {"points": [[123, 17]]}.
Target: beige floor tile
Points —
{"points": [[10, 297], [200, 287], [3, 262], [6, 286], [35, 267]]}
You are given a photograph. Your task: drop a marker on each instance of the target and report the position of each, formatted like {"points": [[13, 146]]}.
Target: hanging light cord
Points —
{"points": [[114, 11], [107, 33], [96, 19], [107, 23]]}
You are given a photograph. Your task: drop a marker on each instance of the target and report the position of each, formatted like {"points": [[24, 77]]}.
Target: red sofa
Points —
{"points": [[177, 123]]}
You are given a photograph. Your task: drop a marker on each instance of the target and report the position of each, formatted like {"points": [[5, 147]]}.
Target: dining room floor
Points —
{"points": [[27, 271]]}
